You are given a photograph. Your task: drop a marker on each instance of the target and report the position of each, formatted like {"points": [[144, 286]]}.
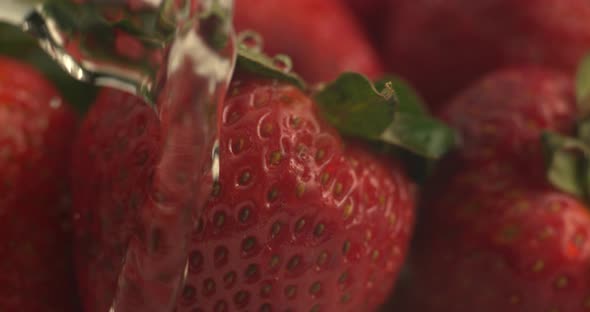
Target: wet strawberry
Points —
{"points": [[35, 138], [298, 220], [113, 161]]}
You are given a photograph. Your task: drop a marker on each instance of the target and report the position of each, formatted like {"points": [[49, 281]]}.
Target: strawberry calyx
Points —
{"points": [[568, 157], [387, 112]]}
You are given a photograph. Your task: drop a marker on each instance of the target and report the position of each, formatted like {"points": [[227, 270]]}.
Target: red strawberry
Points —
{"points": [[35, 136], [298, 221], [443, 45], [494, 239], [496, 236], [502, 114], [322, 37]]}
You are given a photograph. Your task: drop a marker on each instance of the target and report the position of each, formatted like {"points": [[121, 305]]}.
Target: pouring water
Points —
{"points": [[178, 55]]}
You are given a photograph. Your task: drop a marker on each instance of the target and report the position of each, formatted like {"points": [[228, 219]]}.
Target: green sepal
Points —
{"points": [[353, 105], [567, 161], [583, 86], [420, 134], [257, 63], [357, 108], [408, 99]]}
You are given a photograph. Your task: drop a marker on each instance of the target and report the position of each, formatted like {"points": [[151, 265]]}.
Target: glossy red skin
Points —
{"points": [[495, 236], [502, 115], [381, 219], [494, 241], [323, 38], [443, 45], [35, 139]]}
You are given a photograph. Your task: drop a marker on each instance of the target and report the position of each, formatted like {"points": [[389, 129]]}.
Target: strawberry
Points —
{"points": [[297, 219], [496, 234], [441, 46], [322, 37], [493, 239], [502, 114], [296, 213], [35, 141], [277, 231]]}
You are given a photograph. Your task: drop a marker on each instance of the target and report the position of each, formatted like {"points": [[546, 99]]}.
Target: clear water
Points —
{"points": [[179, 56]]}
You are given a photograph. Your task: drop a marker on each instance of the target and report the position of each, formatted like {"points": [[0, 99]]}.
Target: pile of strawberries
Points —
{"points": [[342, 193]]}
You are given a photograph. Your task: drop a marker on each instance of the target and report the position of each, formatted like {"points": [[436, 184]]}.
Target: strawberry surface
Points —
{"points": [[322, 37], [441, 46], [35, 139], [495, 235], [503, 114], [298, 221], [495, 240]]}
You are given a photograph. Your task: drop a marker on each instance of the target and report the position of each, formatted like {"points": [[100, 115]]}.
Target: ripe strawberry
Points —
{"points": [[494, 239], [299, 221], [496, 236], [322, 37], [441, 46], [35, 136], [502, 114]]}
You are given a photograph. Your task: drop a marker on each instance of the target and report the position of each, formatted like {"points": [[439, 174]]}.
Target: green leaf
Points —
{"points": [[420, 134], [356, 108], [413, 128], [567, 163], [353, 105], [583, 86], [255, 62], [408, 99]]}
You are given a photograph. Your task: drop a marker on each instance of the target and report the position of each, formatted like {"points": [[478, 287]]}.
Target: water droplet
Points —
{"points": [[250, 40], [283, 63]]}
